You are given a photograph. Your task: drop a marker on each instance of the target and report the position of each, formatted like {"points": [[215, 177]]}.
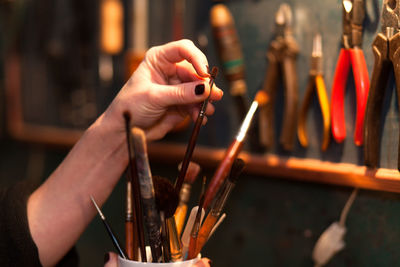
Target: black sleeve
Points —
{"points": [[16, 244]]}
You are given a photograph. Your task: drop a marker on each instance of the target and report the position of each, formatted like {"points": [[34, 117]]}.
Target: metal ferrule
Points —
{"points": [[184, 195], [221, 200]]}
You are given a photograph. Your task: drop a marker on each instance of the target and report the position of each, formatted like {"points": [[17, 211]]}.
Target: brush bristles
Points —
{"points": [[236, 170], [261, 98], [166, 197]]}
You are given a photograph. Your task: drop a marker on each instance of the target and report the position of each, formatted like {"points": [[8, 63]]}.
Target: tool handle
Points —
{"points": [[361, 79], [288, 132], [111, 29], [266, 113], [302, 120], [325, 110], [130, 241], [373, 112], [205, 231], [222, 172], [114, 239], [337, 98], [180, 215], [395, 57]]}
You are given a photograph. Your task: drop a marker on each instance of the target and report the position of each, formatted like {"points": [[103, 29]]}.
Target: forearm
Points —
{"points": [[60, 209]]}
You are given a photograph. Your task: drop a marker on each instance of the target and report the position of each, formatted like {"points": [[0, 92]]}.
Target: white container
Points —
{"points": [[128, 263]]}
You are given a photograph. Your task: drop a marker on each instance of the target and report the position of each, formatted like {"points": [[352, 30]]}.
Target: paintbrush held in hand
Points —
{"points": [[195, 133], [233, 151]]}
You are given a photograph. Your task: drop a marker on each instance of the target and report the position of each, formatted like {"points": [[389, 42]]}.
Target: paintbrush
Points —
{"points": [[195, 133], [219, 203], [131, 243], [232, 152], [184, 195], [196, 225], [136, 209], [110, 232], [150, 213], [166, 200]]}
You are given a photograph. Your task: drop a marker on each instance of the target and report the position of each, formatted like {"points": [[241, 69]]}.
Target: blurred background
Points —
{"points": [[62, 62]]}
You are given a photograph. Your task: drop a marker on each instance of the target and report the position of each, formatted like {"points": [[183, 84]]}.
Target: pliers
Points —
{"points": [[386, 49], [315, 82], [281, 54], [350, 53]]}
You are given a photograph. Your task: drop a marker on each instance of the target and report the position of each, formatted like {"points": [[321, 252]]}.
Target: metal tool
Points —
{"points": [[385, 48], [315, 82], [350, 54], [281, 55]]}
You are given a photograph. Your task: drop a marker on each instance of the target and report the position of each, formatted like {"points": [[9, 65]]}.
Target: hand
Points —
{"points": [[112, 261], [162, 91]]}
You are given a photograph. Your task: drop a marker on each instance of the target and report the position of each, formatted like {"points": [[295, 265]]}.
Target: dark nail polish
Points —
{"points": [[106, 257], [209, 262], [199, 89]]}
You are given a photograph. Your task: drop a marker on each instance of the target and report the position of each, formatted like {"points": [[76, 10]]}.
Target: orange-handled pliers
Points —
{"points": [[315, 82], [350, 53]]}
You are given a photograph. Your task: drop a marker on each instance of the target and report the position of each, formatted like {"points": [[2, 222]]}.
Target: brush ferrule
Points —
{"points": [[246, 122], [222, 198], [184, 195]]}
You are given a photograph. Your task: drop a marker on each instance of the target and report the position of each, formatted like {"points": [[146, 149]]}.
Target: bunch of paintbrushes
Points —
{"points": [[156, 209]]}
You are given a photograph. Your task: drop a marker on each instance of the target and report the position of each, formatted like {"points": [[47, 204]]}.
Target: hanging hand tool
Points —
{"points": [[281, 54], [230, 51], [315, 82], [385, 48], [350, 53]]}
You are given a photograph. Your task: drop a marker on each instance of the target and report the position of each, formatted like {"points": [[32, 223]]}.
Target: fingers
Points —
{"points": [[110, 260], [175, 52], [185, 93], [204, 262]]}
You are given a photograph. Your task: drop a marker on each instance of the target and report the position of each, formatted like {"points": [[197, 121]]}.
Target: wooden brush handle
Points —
{"points": [[222, 172], [130, 240], [205, 231]]}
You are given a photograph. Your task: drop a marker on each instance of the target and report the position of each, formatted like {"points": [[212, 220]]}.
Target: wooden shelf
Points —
{"points": [[309, 170]]}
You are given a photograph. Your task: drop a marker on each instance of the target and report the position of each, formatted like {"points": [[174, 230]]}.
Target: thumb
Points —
{"points": [[182, 94], [110, 259]]}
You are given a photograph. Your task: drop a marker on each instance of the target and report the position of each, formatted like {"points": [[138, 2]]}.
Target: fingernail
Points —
{"points": [[199, 89], [106, 257], [209, 262]]}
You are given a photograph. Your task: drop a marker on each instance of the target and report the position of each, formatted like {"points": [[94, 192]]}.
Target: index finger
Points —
{"points": [[177, 51]]}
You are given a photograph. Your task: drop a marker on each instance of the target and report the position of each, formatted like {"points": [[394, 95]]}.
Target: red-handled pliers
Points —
{"points": [[350, 53]]}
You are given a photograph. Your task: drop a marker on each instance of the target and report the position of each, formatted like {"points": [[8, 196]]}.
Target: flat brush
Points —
{"points": [[166, 200], [151, 216], [134, 218], [184, 195], [215, 212], [195, 133], [109, 230], [196, 225], [233, 151]]}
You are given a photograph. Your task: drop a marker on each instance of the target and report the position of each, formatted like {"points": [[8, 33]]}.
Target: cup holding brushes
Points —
{"points": [[184, 195], [151, 216]]}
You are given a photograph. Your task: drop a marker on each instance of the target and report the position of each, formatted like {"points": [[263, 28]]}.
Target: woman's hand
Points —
{"points": [[170, 83]]}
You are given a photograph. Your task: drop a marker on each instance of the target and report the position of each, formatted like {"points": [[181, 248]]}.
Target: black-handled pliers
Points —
{"points": [[281, 54], [386, 49]]}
